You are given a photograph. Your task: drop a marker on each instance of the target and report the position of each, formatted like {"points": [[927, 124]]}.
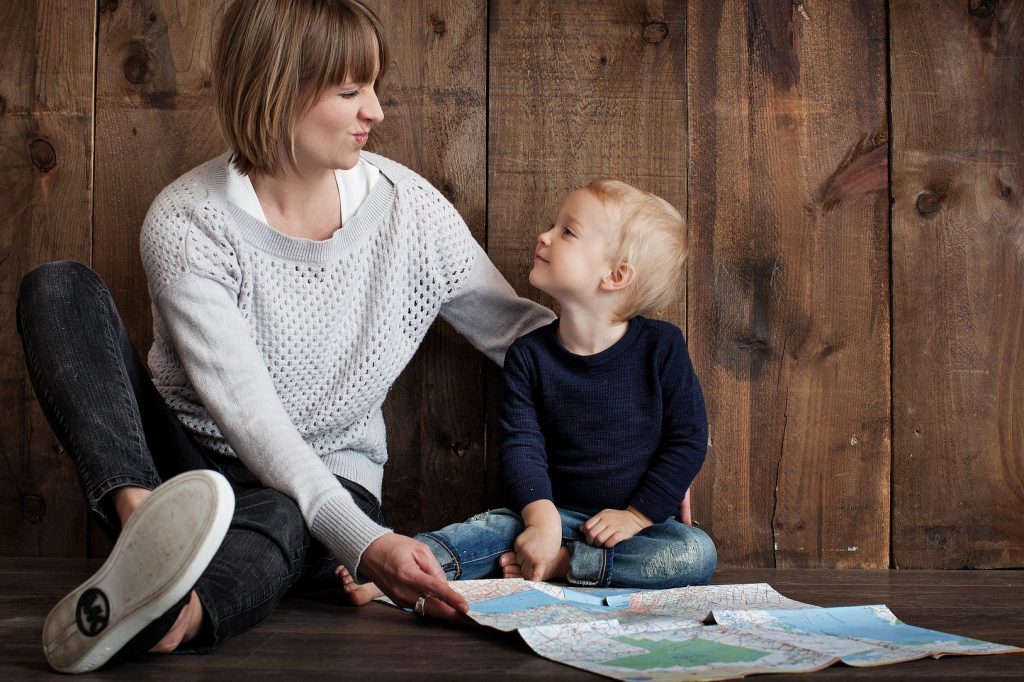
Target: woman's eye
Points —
{"points": [[350, 95]]}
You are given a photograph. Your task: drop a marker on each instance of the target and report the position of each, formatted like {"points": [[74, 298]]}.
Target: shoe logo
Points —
{"points": [[92, 613]]}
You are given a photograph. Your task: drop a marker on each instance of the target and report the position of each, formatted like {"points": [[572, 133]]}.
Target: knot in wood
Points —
{"points": [[448, 442], [136, 68], [43, 155], [33, 507], [928, 204], [439, 26], [109, 6], [655, 31], [448, 190], [982, 9]]}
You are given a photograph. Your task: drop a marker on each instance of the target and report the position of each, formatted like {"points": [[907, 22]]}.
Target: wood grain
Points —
{"points": [[958, 274], [788, 292], [434, 100], [578, 90], [46, 48], [154, 121]]}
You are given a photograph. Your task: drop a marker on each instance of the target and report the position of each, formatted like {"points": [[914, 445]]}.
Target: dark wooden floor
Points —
{"points": [[308, 639]]}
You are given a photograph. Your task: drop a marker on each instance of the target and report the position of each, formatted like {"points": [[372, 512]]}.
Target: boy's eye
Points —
{"points": [[567, 232]]}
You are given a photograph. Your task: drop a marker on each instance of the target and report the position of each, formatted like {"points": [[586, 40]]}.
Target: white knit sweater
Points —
{"points": [[280, 350]]}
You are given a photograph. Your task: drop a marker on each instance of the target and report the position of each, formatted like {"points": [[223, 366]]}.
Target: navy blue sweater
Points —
{"points": [[625, 426]]}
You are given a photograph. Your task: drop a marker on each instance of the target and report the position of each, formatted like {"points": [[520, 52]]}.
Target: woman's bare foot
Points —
{"points": [[185, 628], [559, 570], [358, 595], [126, 500]]}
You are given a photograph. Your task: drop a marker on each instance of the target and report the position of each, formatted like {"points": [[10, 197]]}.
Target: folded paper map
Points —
{"points": [[714, 632]]}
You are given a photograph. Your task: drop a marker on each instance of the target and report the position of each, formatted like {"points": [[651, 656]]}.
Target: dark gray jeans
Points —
{"points": [[99, 399]]}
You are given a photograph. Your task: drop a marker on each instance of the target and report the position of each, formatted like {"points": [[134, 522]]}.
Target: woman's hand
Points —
{"points": [[406, 570], [609, 527]]}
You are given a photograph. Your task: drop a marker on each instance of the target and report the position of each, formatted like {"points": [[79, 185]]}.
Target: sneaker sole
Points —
{"points": [[163, 549]]}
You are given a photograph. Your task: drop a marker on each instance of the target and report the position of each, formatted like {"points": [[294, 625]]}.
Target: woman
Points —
{"points": [[292, 279]]}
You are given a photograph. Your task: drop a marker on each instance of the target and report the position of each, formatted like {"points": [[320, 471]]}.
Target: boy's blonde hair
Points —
{"points": [[652, 239], [273, 61]]}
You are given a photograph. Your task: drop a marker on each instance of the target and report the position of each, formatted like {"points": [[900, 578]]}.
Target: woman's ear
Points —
{"points": [[620, 277]]}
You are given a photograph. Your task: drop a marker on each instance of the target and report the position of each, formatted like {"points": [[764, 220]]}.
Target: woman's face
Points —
{"points": [[332, 133]]}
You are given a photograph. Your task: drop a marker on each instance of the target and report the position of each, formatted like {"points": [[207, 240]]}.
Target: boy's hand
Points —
{"points": [[537, 550], [610, 527], [685, 515]]}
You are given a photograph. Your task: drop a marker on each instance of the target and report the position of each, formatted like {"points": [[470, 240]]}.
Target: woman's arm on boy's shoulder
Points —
{"points": [[489, 313], [479, 303], [684, 436]]}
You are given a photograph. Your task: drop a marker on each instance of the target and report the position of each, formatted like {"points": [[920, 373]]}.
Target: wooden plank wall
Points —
{"points": [[789, 279], [47, 48], [766, 121], [958, 284]]}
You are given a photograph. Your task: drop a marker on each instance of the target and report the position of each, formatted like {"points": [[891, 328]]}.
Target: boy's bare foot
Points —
{"points": [[558, 570], [510, 568], [358, 595]]}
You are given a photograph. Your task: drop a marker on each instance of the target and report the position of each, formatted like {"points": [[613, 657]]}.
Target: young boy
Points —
{"points": [[603, 416]]}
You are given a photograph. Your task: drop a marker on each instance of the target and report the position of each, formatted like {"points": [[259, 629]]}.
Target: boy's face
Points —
{"points": [[574, 254]]}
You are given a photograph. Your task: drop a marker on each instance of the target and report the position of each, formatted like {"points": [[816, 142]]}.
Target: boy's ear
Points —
{"points": [[621, 276]]}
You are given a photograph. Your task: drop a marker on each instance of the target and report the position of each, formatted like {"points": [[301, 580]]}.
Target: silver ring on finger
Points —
{"points": [[418, 608]]}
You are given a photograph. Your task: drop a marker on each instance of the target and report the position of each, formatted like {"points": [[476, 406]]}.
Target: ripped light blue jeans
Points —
{"points": [[669, 554]]}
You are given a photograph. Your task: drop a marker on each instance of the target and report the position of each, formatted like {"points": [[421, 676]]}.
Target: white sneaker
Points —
{"points": [[163, 549]]}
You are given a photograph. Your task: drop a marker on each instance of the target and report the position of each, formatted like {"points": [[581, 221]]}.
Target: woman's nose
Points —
{"points": [[371, 109]]}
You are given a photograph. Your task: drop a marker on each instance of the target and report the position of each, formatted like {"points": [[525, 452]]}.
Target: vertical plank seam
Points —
{"points": [[889, 213], [486, 375], [91, 190], [92, 127], [485, 383]]}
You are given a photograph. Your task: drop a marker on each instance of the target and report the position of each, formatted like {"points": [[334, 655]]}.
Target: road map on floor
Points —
{"points": [[715, 632]]}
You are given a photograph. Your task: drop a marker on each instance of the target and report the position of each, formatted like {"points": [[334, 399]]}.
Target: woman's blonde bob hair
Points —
{"points": [[652, 240], [273, 61]]}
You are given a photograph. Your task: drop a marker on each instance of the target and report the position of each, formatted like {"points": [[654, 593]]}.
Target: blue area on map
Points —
{"points": [[532, 599], [856, 621]]}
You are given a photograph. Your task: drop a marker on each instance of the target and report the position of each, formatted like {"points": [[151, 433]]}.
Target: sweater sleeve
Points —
{"points": [[489, 313], [684, 437], [524, 462], [194, 292], [479, 303]]}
